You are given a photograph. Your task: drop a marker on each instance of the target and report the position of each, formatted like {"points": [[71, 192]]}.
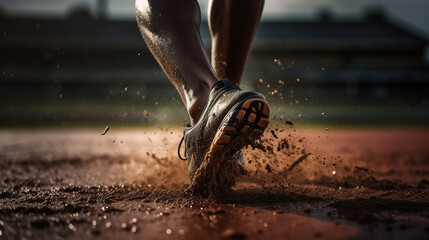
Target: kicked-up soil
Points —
{"points": [[130, 184]]}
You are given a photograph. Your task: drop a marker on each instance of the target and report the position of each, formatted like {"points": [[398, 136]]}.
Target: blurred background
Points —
{"points": [[331, 62]]}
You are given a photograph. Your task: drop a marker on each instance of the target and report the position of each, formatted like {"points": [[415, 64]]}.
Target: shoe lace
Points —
{"points": [[178, 149], [180, 145]]}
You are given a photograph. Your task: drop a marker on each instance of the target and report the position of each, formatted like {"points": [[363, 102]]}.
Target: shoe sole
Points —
{"points": [[244, 123]]}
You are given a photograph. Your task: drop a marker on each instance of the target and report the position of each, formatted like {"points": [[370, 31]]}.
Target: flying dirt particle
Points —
{"points": [[268, 168], [327, 128], [362, 169], [72, 227], [278, 61], [105, 130], [283, 144], [278, 212], [168, 231], [297, 162], [274, 134], [289, 123], [233, 234]]}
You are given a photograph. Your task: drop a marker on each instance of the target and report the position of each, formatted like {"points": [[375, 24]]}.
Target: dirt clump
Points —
{"points": [[215, 176]]}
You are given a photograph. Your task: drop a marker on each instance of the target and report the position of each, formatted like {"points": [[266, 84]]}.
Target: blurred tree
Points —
{"points": [[101, 9], [80, 12], [325, 14]]}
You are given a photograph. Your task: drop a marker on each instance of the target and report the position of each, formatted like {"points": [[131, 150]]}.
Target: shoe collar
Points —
{"points": [[221, 84], [220, 87]]}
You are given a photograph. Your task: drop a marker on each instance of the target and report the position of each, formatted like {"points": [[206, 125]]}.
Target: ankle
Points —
{"points": [[198, 102], [195, 112]]}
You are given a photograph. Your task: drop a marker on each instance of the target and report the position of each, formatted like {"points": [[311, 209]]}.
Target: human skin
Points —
{"points": [[232, 26], [170, 29]]}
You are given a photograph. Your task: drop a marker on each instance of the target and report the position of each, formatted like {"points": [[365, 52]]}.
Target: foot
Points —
{"points": [[231, 120]]}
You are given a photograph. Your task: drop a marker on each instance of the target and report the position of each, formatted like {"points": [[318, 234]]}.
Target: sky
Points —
{"points": [[413, 13]]}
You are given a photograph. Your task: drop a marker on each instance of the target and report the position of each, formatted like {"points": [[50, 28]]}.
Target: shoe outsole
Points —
{"points": [[244, 124]]}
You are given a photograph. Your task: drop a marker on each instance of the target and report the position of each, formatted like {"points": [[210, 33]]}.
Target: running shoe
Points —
{"points": [[232, 119]]}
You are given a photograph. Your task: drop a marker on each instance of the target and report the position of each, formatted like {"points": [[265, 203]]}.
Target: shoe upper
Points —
{"points": [[198, 138]]}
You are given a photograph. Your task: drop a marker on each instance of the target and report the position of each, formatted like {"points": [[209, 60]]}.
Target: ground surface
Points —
{"points": [[305, 183]]}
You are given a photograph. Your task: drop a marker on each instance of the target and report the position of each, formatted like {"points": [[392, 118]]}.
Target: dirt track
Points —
{"points": [[321, 184]]}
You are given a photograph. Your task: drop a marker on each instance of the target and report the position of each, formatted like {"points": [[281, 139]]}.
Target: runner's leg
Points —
{"points": [[170, 29], [233, 25]]}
